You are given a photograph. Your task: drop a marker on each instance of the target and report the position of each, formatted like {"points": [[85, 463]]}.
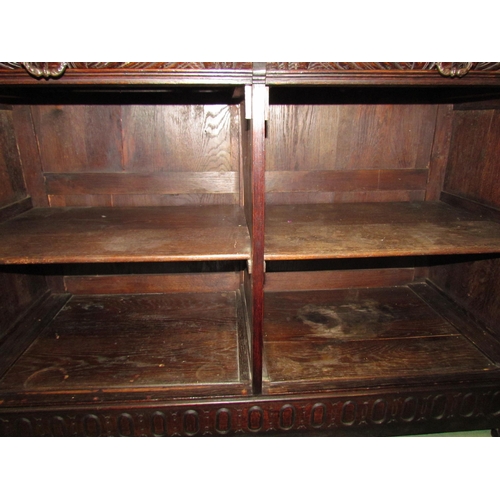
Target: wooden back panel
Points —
{"points": [[473, 170], [12, 187], [349, 153], [138, 155]]}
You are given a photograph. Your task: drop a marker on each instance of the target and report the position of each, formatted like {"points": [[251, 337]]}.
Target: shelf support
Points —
{"points": [[259, 100]]}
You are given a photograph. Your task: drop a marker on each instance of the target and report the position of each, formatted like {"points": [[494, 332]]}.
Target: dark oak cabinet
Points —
{"points": [[249, 248]]}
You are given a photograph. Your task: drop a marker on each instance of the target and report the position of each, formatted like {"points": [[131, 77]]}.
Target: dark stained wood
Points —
{"points": [[343, 197], [49, 235], [26, 330], [440, 152], [482, 104], [152, 75], [12, 187], [471, 206], [320, 339], [474, 284], [143, 183], [168, 342], [355, 342], [196, 148], [375, 230], [160, 283], [79, 138], [178, 138], [480, 337], [30, 155], [328, 280], [347, 137], [18, 293], [345, 181], [258, 144], [14, 209], [474, 163], [139, 200]]}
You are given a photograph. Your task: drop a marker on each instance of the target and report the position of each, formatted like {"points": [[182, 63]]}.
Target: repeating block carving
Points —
{"points": [[336, 415]]}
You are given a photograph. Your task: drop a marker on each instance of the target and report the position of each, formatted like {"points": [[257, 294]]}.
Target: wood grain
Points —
{"points": [[30, 155], [345, 181], [320, 339], [160, 283], [142, 183], [346, 137], [57, 235], [185, 138], [375, 230], [12, 187], [474, 164], [134, 341], [76, 138], [328, 280]]}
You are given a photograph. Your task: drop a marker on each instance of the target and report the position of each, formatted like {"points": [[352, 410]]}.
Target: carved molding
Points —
{"points": [[446, 69], [136, 65], [330, 415], [349, 66]]}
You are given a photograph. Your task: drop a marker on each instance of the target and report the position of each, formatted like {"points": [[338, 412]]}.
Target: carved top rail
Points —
{"points": [[240, 73]]}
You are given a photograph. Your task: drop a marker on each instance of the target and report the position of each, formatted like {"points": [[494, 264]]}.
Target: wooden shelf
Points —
{"points": [[145, 234], [107, 347], [318, 340], [346, 230]]}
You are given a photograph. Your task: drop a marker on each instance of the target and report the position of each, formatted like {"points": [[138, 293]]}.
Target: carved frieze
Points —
{"points": [[330, 415]]}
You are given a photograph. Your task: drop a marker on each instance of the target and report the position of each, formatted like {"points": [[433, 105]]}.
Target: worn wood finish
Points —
{"points": [[481, 337], [350, 137], [150, 283], [474, 284], [258, 145], [12, 187], [440, 151], [18, 292], [328, 280], [18, 207], [125, 235], [174, 150], [165, 333], [32, 323], [375, 230], [365, 412], [350, 152], [321, 339], [474, 164], [30, 155], [107, 343]]}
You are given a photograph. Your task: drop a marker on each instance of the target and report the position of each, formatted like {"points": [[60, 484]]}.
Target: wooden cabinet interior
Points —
{"points": [[231, 251]]}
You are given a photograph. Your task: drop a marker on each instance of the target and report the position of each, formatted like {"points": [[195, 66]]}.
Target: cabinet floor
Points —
{"points": [[111, 346], [362, 337]]}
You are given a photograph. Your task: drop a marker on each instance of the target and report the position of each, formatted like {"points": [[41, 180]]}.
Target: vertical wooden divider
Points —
{"points": [[258, 164]]}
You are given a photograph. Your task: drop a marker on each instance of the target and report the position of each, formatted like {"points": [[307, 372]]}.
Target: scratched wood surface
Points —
{"points": [[58, 235], [375, 230], [120, 342], [317, 339]]}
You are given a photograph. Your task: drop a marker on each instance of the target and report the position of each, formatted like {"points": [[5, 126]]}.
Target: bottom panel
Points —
{"points": [[123, 347], [369, 413], [321, 340]]}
